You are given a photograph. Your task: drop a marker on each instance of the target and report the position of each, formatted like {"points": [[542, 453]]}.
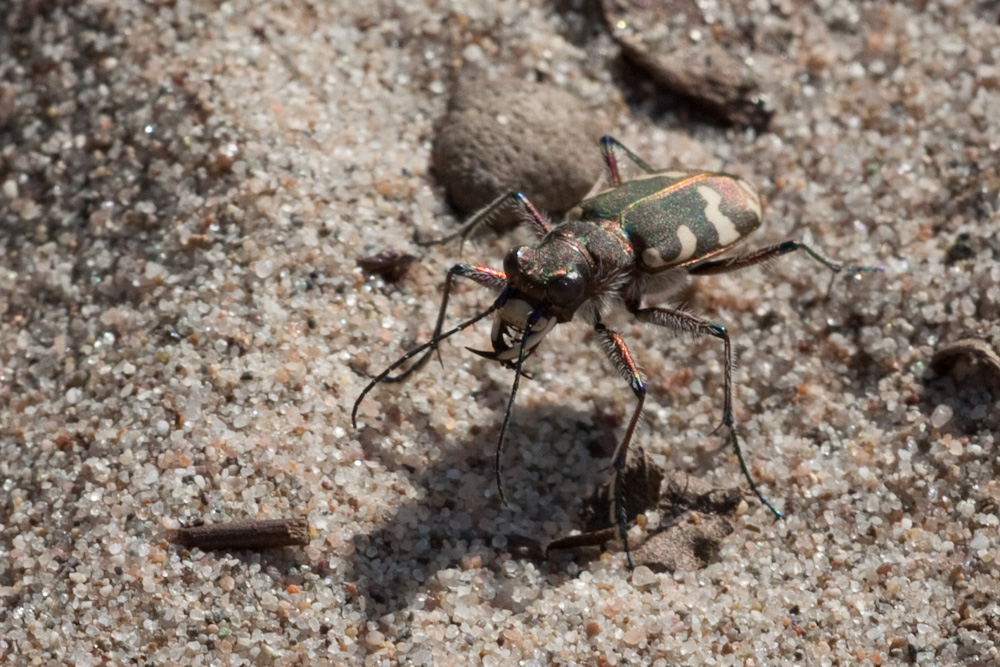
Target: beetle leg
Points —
{"points": [[686, 322], [486, 277], [539, 225], [483, 275], [608, 146], [716, 266], [618, 353]]}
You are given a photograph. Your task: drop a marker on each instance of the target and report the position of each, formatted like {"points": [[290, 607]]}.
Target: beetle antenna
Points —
{"points": [[522, 355]]}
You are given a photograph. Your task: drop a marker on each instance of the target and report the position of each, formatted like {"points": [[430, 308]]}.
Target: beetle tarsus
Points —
{"points": [[621, 514]]}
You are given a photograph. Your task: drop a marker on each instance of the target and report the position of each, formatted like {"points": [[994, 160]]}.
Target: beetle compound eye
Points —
{"points": [[565, 290], [518, 261]]}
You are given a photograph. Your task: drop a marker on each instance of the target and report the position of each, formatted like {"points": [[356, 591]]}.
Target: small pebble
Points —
{"points": [[643, 576], [942, 415], [263, 268]]}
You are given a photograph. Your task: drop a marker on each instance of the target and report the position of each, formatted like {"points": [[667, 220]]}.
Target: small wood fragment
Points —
{"points": [[391, 265], [524, 547], [264, 534], [592, 538]]}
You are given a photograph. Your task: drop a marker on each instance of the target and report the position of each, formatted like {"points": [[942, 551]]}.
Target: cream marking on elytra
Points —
{"points": [[724, 227], [754, 198], [689, 243], [652, 258]]}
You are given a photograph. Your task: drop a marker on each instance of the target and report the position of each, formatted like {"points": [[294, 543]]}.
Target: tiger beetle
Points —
{"points": [[627, 241]]}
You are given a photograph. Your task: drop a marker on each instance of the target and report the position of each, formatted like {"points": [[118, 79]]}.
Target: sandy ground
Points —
{"points": [[185, 188]]}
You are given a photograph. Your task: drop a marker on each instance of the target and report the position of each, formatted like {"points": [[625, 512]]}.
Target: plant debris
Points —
{"points": [[263, 534], [390, 265], [689, 57], [970, 360]]}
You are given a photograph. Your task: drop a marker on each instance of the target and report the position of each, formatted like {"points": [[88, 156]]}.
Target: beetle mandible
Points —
{"points": [[624, 242]]}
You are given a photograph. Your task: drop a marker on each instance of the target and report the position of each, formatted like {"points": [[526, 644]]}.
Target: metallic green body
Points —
{"points": [[674, 219]]}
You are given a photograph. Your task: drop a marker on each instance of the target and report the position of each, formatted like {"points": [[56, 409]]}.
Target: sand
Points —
{"points": [[185, 188]]}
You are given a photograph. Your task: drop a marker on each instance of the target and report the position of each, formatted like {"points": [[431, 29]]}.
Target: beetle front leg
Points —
{"points": [[483, 275], [679, 320], [618, 353], [539, 225]]}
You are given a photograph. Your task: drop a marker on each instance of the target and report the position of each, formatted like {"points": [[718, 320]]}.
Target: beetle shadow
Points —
{"points": [[400, 559], [397, 563]]}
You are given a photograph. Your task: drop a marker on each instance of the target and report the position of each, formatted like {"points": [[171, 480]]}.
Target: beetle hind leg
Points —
{"points": [[608, 147], [763, 255]]}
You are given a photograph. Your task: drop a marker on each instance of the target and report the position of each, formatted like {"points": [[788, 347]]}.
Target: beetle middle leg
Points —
{"points": [[680, 320]]}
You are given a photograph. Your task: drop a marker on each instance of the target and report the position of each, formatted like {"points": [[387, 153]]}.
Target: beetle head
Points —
{"points": [[555, 275], [546, 286]]}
